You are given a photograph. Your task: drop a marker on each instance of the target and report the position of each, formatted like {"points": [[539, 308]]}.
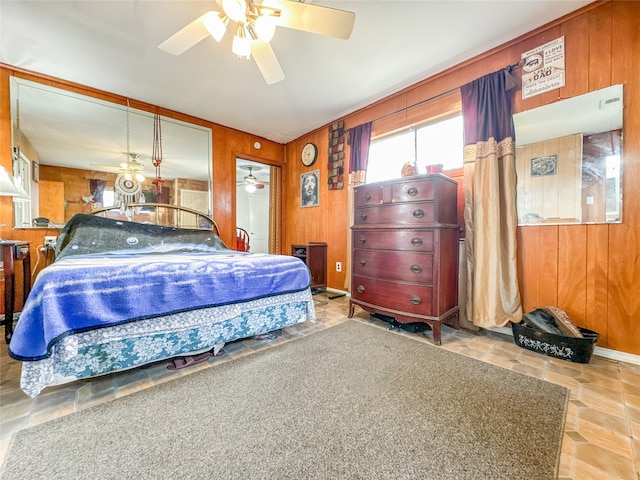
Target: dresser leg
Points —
{"points": [[436, 328], [352, 308]]}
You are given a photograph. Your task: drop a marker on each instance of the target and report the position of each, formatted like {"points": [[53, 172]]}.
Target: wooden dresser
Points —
{"points": [[405, 250]]}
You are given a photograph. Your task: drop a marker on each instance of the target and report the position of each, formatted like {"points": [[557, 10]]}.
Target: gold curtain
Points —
{"points": [[492, 296], [275, 209]]}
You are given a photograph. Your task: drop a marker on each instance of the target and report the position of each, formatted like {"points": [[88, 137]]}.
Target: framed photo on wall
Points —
{"points": [[309, 189], [543, 166]]}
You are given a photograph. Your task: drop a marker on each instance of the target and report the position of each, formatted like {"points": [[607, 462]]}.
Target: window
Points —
{"points": [[434, 143], [108, 198]]}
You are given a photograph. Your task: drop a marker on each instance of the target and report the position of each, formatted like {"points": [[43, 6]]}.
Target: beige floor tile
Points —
{"points": [[610, 464], [605, 438]]}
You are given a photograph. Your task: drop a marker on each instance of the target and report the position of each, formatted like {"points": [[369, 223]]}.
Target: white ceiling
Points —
{"points": [[112, 45]]}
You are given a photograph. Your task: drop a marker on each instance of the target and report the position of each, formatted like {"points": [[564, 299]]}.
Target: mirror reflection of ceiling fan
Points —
{"points": [[250, 182], [132, 168], [256, 23]]}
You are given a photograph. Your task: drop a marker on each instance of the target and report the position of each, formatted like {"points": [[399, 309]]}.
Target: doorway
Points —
{"points": [[253, 203]]}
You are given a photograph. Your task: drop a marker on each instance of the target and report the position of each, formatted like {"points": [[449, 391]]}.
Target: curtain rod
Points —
{"points": [[508, 68]]}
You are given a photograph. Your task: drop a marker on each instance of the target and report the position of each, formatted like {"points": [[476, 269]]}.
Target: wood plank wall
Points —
{"points": [[590, 271]]}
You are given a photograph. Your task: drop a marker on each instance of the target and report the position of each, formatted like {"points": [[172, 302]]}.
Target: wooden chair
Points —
{"points": [[242, 240]]}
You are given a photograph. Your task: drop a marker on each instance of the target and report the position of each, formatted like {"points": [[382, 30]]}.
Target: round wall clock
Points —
{"points": [[309, 154]]}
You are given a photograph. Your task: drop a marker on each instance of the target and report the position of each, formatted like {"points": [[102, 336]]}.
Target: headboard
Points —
{"points": [[161, 214]]}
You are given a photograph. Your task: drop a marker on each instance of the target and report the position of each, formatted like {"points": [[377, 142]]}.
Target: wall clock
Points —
{"points": [[309, 154]]}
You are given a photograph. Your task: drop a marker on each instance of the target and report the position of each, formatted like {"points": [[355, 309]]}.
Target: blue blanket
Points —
{"points": [[85, 292]]}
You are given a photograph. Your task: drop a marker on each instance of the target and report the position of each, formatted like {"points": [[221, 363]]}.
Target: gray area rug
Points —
{"points": [[353, 401]]}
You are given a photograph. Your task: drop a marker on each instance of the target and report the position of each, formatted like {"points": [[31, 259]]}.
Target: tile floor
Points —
{"points": [[602, 430]]}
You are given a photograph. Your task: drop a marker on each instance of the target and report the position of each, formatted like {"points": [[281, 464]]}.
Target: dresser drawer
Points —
{"points": [[368, 196], [399, 214], [404, 297], [413, 190], [404, 266], [414, 240]]}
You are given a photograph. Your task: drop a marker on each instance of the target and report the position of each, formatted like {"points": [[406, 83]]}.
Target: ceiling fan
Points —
{"points": [[251, 183], [131, 167], [256, 23]]}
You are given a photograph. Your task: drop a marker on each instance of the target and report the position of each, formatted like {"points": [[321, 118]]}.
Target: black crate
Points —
{"points": [[578, 350]]}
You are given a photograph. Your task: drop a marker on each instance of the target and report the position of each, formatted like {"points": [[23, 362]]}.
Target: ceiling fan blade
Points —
{"points": [[314, 18], [108, 168], [186, 37], [267, 62]]}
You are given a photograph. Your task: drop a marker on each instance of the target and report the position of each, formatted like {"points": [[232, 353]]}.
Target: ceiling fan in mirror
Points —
{"points": [[251, 183], [130, 168], [255, 25]]}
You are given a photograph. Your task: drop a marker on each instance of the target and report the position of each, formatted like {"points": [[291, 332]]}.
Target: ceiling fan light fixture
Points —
{"points": [[216, 23], [139, 177], [241, 44], [265, 27], [236, 10], [250, 188]]}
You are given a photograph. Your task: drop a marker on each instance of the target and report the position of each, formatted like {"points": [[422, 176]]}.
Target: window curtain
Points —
{"points": [[359, 141], [96, 187], [492, 292]]}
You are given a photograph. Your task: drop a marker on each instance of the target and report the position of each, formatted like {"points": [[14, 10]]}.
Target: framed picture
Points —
{"points": [[309, 184], [542, 166], [35, 174]]}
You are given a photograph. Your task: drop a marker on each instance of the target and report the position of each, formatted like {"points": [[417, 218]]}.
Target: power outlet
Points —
{"points": [[50, 241], [338, 266]]}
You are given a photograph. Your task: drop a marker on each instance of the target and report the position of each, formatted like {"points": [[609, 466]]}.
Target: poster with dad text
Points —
{"points": [[543, 68]]}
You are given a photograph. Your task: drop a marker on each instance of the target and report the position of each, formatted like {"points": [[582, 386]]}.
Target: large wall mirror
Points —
{"points": [[569, 160], [69, 149]]}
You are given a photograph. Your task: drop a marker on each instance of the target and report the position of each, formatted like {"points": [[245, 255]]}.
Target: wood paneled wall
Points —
{"points": [[590, 271]]}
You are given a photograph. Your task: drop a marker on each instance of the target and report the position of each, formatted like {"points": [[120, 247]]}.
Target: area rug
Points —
{"points": [[353, 401]]}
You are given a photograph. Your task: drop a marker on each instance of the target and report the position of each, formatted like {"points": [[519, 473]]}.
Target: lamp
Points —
{"points": [[241, 44], [250, 187], [254, 21], [216, 24], [7, 187]]}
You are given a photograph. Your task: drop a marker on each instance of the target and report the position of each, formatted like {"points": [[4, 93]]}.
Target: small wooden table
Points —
{"points": [[13, 250]]}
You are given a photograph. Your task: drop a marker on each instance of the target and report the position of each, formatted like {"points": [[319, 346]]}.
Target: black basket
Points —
{"points": [[572, 349]]}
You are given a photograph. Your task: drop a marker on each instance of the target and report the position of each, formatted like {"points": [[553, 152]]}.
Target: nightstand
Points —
{"points": [[12, 251]]}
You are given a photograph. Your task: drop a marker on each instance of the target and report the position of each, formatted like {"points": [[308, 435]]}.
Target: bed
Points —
{"points": [[133, 287]]}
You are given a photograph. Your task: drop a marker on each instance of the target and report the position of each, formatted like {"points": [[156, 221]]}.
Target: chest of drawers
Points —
{"points": [[405, 250]]}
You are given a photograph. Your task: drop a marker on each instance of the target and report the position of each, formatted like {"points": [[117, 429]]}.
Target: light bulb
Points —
{"points": [[216, 24], [250, 188], [235, 10], [139, 177], [241, 44], [266, 27], [127, 176]]}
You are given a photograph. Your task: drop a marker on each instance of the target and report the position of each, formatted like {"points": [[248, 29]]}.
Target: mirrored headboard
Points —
{"points": [[66, 146], [569, 160]]}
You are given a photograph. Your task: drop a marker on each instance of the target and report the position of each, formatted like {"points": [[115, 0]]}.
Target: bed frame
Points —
{"points": [[160, 214]]}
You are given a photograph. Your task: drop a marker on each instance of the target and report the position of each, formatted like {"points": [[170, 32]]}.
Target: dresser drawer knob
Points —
{"points": [[362, 263], [415, 268], [363, 216], [367, 197], [418, 213], [361, 288], [415, 299], [413, 191], [416, 241], [362, 240]]}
